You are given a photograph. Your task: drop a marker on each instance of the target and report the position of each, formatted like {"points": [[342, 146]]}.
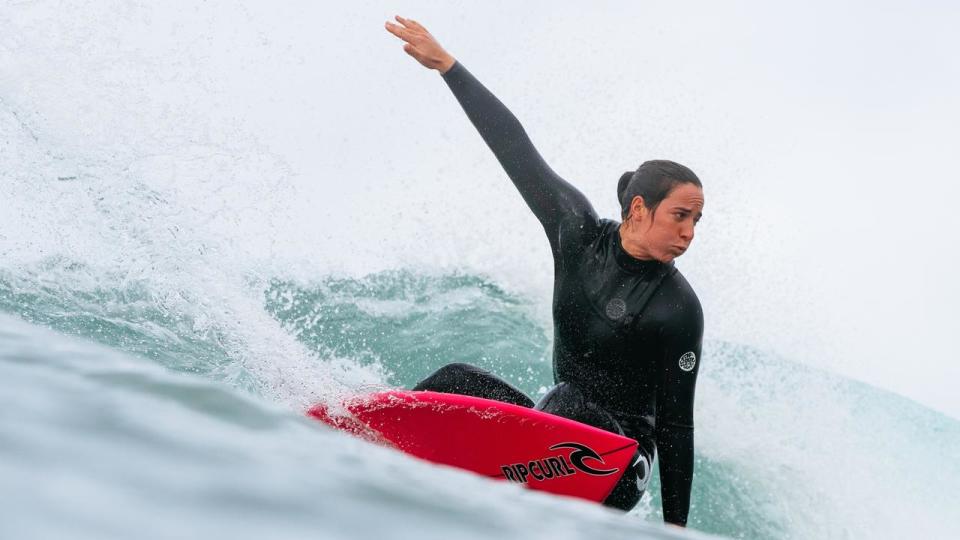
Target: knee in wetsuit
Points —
{"points": [[467, 380], [446, 379], [567, 400]]}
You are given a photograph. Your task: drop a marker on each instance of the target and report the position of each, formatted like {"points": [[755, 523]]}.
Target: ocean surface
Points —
{"points": [[160, 341], [132, 411]]}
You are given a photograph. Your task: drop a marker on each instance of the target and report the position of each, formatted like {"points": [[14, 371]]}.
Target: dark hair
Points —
{"points": [[653, 181]]}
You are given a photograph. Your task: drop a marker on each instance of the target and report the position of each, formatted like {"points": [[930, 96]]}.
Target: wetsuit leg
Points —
{"points": [[628, 491], [470, 380], [568, 401]]}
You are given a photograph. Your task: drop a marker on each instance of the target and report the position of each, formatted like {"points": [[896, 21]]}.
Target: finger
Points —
{"points": [[411, 23], [393, 28], [411, 50], [398, 31], [404, 22]]}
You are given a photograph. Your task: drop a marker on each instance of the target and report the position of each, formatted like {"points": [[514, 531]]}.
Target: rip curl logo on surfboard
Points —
{"points": [[558, 466]]}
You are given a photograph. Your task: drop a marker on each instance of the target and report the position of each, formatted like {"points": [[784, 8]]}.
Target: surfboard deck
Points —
{"points": [[491, 438]]}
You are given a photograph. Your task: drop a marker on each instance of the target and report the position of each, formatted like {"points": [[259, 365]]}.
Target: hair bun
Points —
{"points": [[622, 185]]}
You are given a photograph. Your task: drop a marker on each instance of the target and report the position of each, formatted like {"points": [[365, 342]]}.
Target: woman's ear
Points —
{"points": [[638, 210]]}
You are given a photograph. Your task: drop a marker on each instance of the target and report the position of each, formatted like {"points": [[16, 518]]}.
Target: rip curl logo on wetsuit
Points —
{"points": [[557, 466], [616, 308], [688, 361]]}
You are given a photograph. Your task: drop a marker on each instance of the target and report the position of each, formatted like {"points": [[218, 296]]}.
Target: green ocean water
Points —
{"points": [[779, 445]]}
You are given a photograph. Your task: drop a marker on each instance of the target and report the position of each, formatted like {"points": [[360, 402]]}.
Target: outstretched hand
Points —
{"points": [[420, 44]]}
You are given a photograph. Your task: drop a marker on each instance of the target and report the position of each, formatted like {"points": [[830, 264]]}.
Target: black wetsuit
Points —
{"points": [[627, 332]]}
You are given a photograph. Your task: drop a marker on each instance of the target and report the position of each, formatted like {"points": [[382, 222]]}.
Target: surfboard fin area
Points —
{"points": [[491, 438]]}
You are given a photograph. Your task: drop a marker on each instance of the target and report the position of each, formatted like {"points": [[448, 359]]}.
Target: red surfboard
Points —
{"points": [[495, 439]]}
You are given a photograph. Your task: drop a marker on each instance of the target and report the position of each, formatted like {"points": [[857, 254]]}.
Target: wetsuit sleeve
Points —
{"points": [[554, 202], [679, 364]]}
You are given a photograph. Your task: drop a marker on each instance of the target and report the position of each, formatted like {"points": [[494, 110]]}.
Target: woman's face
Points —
{"points": [[667, 233]]}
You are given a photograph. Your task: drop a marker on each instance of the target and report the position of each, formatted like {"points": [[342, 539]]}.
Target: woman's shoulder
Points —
{"points": [[680, 285], [579, 230], [676, 299]]}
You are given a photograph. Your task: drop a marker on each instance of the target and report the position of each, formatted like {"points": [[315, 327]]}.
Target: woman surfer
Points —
{"points": [[627, 325]]}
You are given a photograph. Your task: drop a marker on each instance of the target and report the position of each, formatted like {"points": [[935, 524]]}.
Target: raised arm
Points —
{"points": [[678, 367], [552, 199]]}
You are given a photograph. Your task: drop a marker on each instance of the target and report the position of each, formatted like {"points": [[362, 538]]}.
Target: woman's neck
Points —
{"points": [[632, 244]]}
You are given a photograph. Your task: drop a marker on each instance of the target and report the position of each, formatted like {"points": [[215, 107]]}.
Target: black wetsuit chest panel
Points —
{"points": [[603, 340]]}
